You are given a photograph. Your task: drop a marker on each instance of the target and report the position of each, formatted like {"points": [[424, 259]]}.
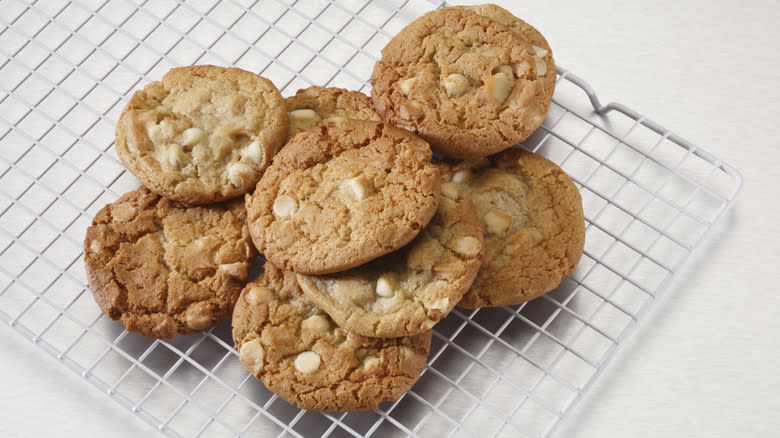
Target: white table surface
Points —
{"points": [[705, 360]]}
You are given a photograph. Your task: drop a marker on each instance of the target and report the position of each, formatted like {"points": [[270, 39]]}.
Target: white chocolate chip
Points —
{"points": [[388, 305], [440, 304], [353, 289], [259, 295], [386, 285], [307, 362], [155, 133], [360, 187], [254, 152], [449, 189], [198, 317], [316, 323], [192, 136], [461, 176], [499, 86], [539, 51], [409, 111], [496, 221], [201, 154], [513, 243], [541, 67], [521, 69], [371, 362], [241, 175], [166, 128], [303, 115], [238, 270], [95, 246], [506, 70], [428, 324], [284, 206], [251, 355], [123, 212], [467, 246], [456, 84], [175, 156], [406, 85]]}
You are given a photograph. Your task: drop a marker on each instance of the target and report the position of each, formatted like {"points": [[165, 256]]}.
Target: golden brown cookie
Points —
{"points": [[409, 290], [471, 82], [317, 105], [202, 134], [300, 354], [341, 194], [533, 223], [163, 268]]}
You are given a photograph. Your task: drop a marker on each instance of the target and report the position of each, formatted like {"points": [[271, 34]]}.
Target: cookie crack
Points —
{"points": [[162, 239]]}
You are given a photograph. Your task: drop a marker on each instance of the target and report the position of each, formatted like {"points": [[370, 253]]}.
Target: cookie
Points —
{"points": [[468, 84], [202, 134], [409, 290], [300, 354], [342, 194], [163, 268], [317, 105], [533, 222]]}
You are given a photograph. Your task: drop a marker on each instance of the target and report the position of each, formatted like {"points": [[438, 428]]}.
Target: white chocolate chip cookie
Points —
{"points": [[303, 356], [409, 290], [533, 221], [163, 268], [342, 194], [472, 81], [202, 134]]}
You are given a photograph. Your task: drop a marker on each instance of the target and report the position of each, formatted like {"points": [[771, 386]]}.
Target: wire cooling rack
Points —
{"points": [[68, 68]]}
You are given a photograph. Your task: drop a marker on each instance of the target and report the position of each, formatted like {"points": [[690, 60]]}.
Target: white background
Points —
{"points": [[706, 359]]}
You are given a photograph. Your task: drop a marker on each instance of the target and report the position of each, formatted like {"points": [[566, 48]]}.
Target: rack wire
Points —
{"points": [[68, 68]]}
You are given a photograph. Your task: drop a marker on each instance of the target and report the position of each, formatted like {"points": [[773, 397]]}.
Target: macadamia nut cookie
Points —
{"points": [[314, 106], [409, 290], [300, 354], [342, 194], [472, 82], [533, 222], [165, 269], [202, 134]]}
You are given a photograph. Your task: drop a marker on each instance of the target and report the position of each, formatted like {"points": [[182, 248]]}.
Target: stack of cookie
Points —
{"points": [[368, 242], [171, 257]]}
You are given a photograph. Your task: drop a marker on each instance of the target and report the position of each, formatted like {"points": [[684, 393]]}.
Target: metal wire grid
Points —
{"points": [[66, 71]]}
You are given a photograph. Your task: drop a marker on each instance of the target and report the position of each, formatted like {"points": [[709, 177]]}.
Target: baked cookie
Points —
{"points": [[202, 134], [300, 354], [533, 223], [341, 194], [409, 290], [165, 269], [317, 105], [469, 84]]}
